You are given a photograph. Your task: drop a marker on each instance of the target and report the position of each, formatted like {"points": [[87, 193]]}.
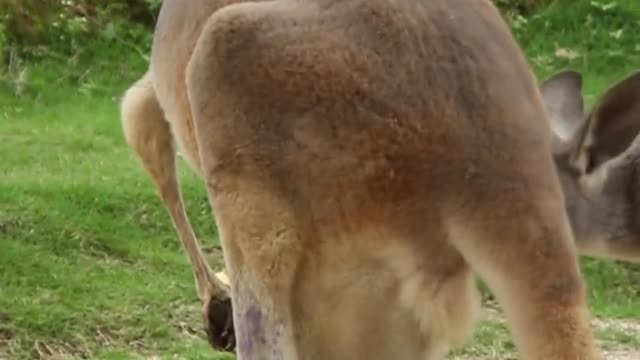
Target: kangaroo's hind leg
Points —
{"points": [[520, 243], [149, 135]]}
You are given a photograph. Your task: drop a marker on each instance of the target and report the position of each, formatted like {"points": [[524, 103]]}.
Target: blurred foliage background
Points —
{"points": [[99, 36], [36, 28]]}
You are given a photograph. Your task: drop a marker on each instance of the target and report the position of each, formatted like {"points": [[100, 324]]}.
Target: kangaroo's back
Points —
{"points": [[389, 100]]}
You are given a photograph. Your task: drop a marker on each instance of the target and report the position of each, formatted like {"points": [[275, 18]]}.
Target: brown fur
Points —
{"points": [[363, 159]]}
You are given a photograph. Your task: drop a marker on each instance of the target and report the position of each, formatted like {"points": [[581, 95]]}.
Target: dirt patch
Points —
{"points": [[612, 348], [627, 326], [187, 318], [60, 350], [608, 355], [104, 337], [622, 355], [9, 224], [6, 337], [214, 255]]}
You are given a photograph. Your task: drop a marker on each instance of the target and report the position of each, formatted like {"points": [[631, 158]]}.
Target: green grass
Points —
{"points": [[90, 262], [90, 265]]}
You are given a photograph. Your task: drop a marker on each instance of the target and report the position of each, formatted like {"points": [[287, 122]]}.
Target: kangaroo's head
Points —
{"points": [[597, 155]]}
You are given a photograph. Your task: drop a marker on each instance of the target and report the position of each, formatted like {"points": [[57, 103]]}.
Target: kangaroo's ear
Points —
{"points": [[611, 126], [562, 95]]}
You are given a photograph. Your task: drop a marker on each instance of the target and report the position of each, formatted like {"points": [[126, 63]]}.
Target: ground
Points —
{"points": [[91, 266]]}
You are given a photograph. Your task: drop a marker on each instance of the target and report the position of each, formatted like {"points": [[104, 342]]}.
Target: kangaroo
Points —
{"points": [[364, 159], [601, 220], [597, 155]]}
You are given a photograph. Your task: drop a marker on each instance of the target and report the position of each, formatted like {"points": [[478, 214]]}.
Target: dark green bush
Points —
{"points": [[36, 28], [522, 7], [80, 37], [48, 41]]}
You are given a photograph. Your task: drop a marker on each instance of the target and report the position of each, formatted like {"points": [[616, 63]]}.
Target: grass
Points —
{"points": [[90, 261], [91, 266]]}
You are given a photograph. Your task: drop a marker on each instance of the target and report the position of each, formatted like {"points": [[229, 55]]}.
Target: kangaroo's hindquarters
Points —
{"points": [[361, 153]]}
